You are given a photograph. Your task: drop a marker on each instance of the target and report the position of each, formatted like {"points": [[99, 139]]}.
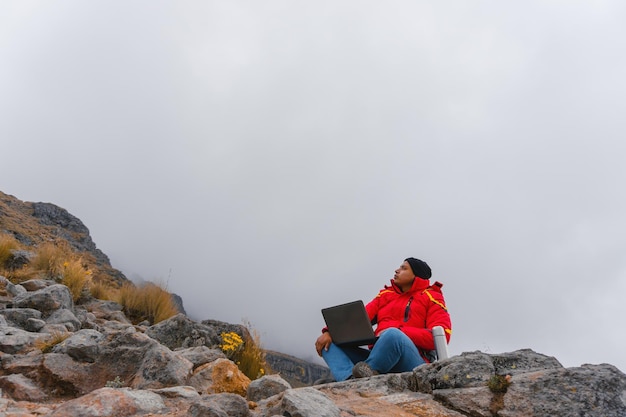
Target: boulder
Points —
{"points": [[19, 317], [36, 284], [221, 375], [21, 388], [305, 402], [227, 405], [18, 258], [14, 340], [265, 387], [111, 402], [46, 300], [181, 332], [65, 318], [82, 346], [200, 355]]}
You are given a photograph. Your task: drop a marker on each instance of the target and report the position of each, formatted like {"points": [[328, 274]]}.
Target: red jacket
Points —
{"points": [[415, 312]]}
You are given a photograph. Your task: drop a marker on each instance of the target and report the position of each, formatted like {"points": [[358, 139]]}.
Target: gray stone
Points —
{"points": [[522, 361], [87, 320], [307, 402], [18, 317], [66, 318], [202, 409], [266, 387], [182, 391], [181, 332], [21, 388], [82, 346], [232, 404], [34, 325], [161, 367], [200, 355], [590, 391], [467, 370], [37, 284], [18, 258], [106, 402], [11, 288], [13, 340], [46, 300]]}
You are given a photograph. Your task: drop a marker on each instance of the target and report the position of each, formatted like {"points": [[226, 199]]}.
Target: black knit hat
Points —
{"points": [[419, 268]]}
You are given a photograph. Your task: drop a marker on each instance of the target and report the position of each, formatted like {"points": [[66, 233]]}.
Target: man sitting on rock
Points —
{"points": [[405, 313]]}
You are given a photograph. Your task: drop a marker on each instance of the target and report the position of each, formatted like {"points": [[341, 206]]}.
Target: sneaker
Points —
{"points": [[363, 370]]}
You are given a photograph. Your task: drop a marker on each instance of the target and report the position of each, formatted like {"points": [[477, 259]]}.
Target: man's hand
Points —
{"points": [[323, 342]]}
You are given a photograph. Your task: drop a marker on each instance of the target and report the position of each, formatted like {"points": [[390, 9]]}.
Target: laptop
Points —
{"points": [[349, 325]]}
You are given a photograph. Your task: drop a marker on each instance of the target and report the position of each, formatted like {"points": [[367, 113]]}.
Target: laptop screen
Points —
{"points": [[348, 324]]}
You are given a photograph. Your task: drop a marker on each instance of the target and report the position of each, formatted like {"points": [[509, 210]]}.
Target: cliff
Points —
{"points": [[35, 223]]}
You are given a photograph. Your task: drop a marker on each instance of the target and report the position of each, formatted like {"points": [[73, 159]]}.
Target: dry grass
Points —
{"points": [[50, 259], [75, 277], [45, 344], [247, 353], [101, 291], [146, 302], [7, 244]]}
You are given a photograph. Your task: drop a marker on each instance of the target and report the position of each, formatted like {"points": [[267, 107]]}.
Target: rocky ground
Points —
{"points": [[109, 367]]}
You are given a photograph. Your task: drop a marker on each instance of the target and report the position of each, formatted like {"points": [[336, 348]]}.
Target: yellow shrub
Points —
{"points": [[75, 277], [7, 244], [247, 354], [49, 259], [101, 291], [146, 302], [231, 344]]}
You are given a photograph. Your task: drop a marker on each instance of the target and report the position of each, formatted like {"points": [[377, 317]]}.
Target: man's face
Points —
{"points": [[404, 276]]}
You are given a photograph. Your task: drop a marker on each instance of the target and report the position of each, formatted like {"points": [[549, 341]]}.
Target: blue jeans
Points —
{"points": [[392, 352]]}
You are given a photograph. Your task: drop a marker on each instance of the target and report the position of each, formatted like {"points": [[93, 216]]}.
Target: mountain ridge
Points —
{"points": [[35, 223]]}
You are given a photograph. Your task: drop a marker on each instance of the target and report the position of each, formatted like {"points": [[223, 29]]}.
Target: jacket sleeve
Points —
{"points": [[436, 314]]}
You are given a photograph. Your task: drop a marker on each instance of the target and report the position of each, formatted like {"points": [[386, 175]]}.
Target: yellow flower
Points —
{"points": [[231, 342]]}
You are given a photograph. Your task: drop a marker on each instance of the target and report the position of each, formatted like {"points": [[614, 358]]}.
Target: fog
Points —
{"points": [[264, 160]]}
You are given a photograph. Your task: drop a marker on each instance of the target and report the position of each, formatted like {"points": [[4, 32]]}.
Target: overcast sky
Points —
{"points": [[268, 159]]}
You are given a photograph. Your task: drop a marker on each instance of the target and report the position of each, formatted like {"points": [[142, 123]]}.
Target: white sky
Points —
{"points": [[268, 159]]}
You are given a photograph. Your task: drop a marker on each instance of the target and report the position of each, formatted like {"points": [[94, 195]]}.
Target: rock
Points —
{"points": [[19, 317], [227, 405], [110, 402], [178, 392], [307, 402], [36, 284], [220, 327], [294, 370], [221, 375], [82, 346], [590, 391], [11, 289], [65, 318], [200, 355], [87, 320], [46, 300], [68, 227], [17, 259], [13, 340], [21, 388], [162, 368], [181, 332], [266, 387]]}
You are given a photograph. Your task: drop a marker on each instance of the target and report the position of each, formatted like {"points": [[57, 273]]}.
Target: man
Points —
{"points": [[405, 313]]}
